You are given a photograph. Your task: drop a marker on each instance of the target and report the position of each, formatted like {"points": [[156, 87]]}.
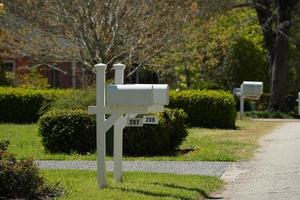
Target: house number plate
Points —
{"points": [[135, 122], [150, 120]]}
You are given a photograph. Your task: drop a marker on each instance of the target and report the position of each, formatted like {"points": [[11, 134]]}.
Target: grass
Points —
{"points": [[201, 144], [136, 185]]}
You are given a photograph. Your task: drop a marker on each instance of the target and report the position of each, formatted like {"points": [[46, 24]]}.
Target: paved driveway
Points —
{"points": [[274, 173]]}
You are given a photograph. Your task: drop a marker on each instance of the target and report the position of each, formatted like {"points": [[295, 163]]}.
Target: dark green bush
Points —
{"points": [[160, 139], [75, 131], [272, 115], [19, 105], [206, 108], [67, 131], [21, 179]]}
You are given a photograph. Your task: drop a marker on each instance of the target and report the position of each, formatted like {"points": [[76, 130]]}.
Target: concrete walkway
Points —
{"points": [[274, 174], [173, 167]]}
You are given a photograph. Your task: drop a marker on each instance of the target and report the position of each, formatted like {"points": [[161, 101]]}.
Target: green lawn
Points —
{"points": [[149, 186], [201, 144]]}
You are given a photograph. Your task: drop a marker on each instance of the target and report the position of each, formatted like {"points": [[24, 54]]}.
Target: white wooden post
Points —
{"points": [[118, 128], [298, 103], [118, 118], [101, 147], [241, 105]]}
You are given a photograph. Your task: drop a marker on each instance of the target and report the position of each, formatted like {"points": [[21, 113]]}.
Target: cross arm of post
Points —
{"points": [[109, 122]]}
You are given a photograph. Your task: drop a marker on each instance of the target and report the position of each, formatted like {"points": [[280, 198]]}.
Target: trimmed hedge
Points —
{"points": [[75, 131], [67, 131], [20, 105], [205, 108]]}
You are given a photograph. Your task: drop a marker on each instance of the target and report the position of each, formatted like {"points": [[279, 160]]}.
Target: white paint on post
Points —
{"points": [[241, 106], [299, 103], [101, 147], [119, 73], [118, 150], [118, 128]]}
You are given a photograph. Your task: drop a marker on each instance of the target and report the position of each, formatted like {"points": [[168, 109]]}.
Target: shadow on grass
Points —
{"points": [[153, 194], [175, 153], [181, 152], [168, 195], [201, 192]]}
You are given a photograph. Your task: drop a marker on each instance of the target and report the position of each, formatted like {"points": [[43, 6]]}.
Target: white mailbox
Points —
{"points": [[118, 105], [252, 89], [144, 95]]}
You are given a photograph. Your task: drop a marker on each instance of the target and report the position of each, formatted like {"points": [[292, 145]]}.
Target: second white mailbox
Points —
{"points": [[140, 95], [252, 89]]}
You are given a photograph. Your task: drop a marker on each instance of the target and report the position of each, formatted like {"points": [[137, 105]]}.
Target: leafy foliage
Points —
{"points": [[212, 50], [210, 109], [75, 99], [21, 179], [161, 139], [33, 79], [245, 61]]}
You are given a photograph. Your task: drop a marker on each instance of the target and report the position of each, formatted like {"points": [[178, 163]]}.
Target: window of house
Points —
{"points": [[8, 66]]}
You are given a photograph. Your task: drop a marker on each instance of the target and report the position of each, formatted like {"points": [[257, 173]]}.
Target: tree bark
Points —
{"points": [[280, 64], [276, 29]]}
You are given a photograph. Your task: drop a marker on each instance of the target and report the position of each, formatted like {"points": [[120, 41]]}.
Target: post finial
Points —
{"points": [[101, 66], [119, 66]]}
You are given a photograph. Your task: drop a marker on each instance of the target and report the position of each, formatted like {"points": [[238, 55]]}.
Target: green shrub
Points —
{"points": [[19, 105], [67, 131], [21, 179], [75, 131], [266, 115], [206, 108], [160, 139]]}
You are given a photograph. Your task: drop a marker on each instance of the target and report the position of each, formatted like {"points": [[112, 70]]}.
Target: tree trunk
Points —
{"points": [[280, 63], [187, 76], [276, 30], [279, 74]]}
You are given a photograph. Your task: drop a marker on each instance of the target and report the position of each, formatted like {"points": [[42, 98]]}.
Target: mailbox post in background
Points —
{"points": [[122, 103], [249, 90], [298, 103]]}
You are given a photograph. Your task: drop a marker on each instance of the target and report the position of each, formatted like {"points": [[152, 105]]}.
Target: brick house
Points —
{"points": [[64, 75]]}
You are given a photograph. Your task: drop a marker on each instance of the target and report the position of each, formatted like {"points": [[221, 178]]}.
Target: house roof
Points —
{"points": [[28, 40]]}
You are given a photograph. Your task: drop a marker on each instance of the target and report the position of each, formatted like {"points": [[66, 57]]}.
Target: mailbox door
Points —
{"points": [[160, 93]]}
